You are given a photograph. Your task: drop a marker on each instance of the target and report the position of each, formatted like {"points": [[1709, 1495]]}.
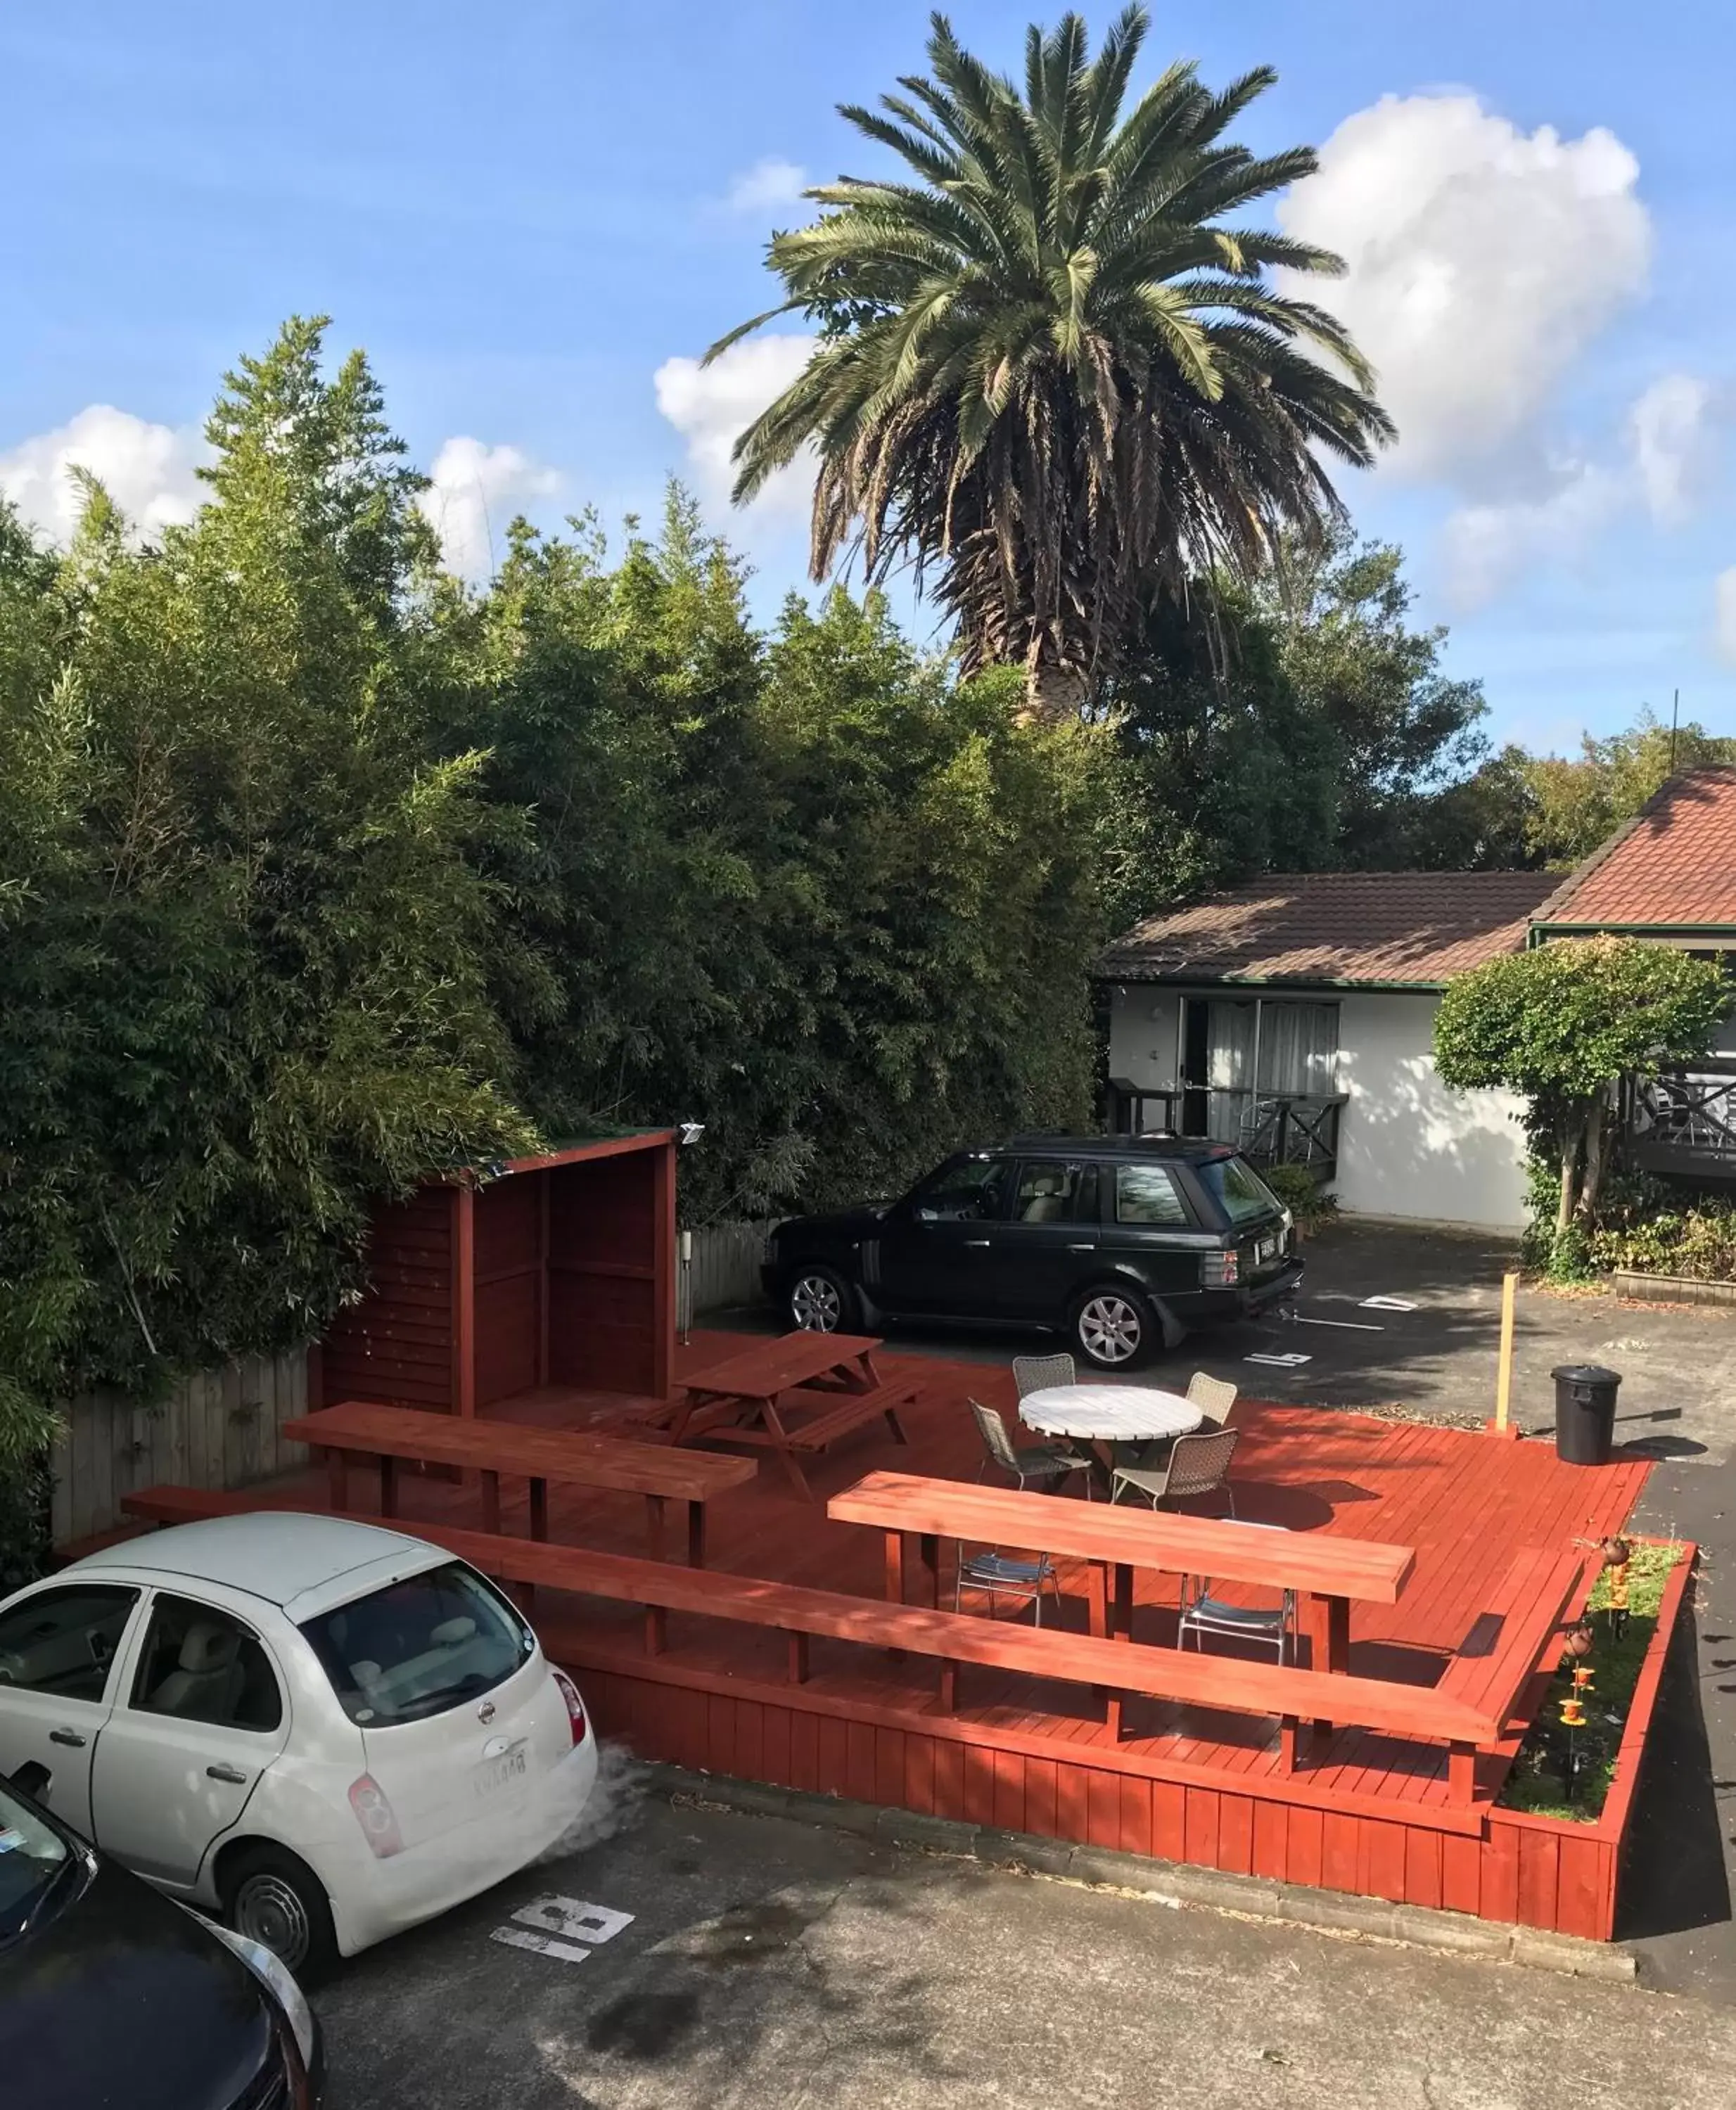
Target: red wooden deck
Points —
{"points": [[1369, 1814]]}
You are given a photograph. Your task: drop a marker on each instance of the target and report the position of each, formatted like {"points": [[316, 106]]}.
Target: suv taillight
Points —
{"points": [[376, 1817], [575, 1705], [1220, 1271]]}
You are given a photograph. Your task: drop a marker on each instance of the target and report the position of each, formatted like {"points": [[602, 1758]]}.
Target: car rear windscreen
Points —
{"points": [[1238, 1189], [420, 1646]]}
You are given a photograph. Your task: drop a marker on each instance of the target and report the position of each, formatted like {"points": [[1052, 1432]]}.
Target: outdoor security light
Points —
{"points": [[691, 1131]]}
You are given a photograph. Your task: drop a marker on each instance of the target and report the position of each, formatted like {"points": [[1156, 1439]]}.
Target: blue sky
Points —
{"points": [[526, 214]]}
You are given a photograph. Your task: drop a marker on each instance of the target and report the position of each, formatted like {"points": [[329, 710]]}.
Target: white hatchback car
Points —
{"points": [[322, 1730]]}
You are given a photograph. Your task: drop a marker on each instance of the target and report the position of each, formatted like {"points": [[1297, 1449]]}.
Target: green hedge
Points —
{"points": [[1698, 1242]]}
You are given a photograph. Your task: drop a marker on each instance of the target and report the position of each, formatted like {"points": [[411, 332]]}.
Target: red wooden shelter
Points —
{"points": [[545, 1274]]}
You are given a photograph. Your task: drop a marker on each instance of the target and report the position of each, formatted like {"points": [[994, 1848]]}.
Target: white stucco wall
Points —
{"points": [[1409, 1147], [1143, 1023]]}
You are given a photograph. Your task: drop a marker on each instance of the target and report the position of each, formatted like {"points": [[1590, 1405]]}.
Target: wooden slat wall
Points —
{"points": [[1532, 1871], [218, 1429]]}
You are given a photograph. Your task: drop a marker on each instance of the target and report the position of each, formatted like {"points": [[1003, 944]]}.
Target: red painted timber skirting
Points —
{"points": [[1498, 1864]]}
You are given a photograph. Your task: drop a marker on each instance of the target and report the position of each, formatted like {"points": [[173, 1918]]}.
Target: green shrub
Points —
{"points": [[1301, 1194], [24, 1526], [1699, 1242]]}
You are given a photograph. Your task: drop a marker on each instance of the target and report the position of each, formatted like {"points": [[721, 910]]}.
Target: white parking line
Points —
{"points": [[566, 1929], [1345, 1325], [1289, 1362], [1388, 1304]]}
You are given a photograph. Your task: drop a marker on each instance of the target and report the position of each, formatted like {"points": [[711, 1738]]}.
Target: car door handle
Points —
{"points": [[976, 1242], [1086, 1247], [66, 1736], [233, 1774]]}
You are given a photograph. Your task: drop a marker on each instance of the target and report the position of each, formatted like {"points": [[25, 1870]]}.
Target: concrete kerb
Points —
{"points": [[1164, 1882]]}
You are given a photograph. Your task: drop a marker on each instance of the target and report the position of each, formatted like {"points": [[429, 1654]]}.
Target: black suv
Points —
{"points": [[1117, 1240]]}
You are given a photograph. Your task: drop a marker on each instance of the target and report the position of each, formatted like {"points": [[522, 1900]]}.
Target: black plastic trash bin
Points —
{"points": [[1584, 1412]]}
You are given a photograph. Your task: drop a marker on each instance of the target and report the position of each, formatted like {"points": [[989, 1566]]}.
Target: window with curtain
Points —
{"points": [[1298, 1050]]}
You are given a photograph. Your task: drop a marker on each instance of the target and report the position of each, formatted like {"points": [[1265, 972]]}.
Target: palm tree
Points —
{"points": [[1047, 368]]}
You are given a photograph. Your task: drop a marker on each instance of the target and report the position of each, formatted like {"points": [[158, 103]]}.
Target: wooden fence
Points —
{"points": [[219, 1429], [725, 1269]]}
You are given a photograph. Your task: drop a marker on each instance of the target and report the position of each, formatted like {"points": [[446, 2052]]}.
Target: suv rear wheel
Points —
{"points": [[1113, 1327], [820, 1301]]}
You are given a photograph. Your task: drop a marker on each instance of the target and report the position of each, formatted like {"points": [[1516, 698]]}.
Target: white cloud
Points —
{"points": [[1482, 261], [1724, 592], [711, 406], [1484, 546], [474, 490], [1670, 430], [768, 185], [148, 471]]}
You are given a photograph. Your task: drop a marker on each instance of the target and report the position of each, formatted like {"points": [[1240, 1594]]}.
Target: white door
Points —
{"points": [[58, 1650], [203, 1716]]}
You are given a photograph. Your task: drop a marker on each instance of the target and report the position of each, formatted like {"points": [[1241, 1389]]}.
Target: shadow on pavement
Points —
{"points": [[1674, 1878]]}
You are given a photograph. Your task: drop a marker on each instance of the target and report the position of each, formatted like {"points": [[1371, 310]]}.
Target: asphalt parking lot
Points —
{"points": [[766, 1964]]}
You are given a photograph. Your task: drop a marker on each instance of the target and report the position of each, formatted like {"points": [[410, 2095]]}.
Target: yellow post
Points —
{"points": [[1504, 1375]]}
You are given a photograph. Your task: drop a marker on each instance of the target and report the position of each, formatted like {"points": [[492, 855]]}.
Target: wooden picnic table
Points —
{"points": [[390, 1434], [1331, 1570], [750, 1397]]}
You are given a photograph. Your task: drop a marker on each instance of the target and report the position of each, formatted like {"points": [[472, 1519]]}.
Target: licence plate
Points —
{"points": [[493, 1774], [1266, 1249]]}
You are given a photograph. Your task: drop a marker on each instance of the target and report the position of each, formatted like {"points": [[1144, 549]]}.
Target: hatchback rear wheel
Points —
{"points": [[1113, 1328], [273, 1898]]}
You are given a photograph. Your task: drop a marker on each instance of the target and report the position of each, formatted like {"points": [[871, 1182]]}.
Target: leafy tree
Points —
{"points": [[243, 980], [1573, 805], [1403, 733], [809, 890], [1562, 1024], [1300, 724], [1054, 366]]}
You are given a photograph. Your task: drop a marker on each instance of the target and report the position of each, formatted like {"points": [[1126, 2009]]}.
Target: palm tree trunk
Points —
{"points": [[1053, 695]]}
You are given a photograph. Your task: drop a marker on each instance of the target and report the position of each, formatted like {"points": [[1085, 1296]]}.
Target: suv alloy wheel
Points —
{"points": [[819, 1300], [1111, 1327]]}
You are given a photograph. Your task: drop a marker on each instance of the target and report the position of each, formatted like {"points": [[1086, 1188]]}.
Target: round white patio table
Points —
{"points": [[1108, 1413]]}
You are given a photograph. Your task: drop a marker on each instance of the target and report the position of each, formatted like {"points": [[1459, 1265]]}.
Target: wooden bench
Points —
{"points": [[1281, 1691], [391, 1434], [1503, 1650]]}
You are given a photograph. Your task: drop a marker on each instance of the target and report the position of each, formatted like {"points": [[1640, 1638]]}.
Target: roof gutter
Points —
{"points": [[1196, 980], [1540, 934]]}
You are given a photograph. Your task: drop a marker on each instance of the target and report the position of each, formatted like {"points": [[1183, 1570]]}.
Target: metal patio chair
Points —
{"points": [[1042, 1465], [1214, 1397], [1038, 1373], [1197, 1465], [997, 1574], [1201, 1614]]}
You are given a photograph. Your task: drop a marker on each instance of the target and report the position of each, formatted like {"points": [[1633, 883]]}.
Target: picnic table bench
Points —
{"points": [[392, 1434], [830, 1378], [1332, 1570], [1441, 1714]]}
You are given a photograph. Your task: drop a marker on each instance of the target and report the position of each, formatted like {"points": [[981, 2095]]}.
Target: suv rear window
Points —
{"points": [[418, 1646], [1238, 1189], [1148, 1194]]}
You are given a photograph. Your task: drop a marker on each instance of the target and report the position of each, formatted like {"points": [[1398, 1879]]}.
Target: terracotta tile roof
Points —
{"points": [[1673, 865], [1383, 927]]}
